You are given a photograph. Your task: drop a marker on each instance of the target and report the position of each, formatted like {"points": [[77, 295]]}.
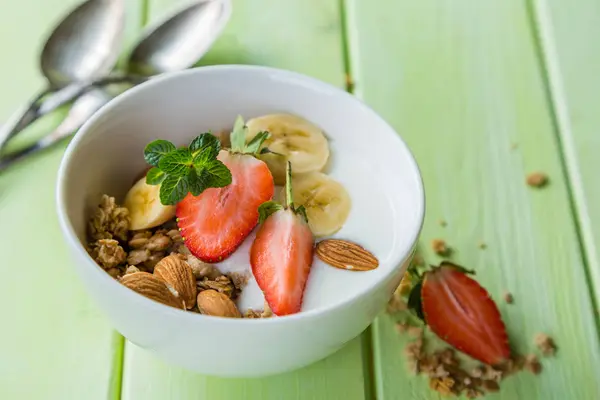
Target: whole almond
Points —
{"points": [[179, 275], [211, 302], [346, 255], [151, 287]]}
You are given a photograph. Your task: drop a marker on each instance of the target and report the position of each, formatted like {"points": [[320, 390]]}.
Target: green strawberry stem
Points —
{"points": [[289, 198], [266, 209]]}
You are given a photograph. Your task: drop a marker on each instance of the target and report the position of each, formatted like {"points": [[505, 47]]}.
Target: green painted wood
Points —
{"points": [[302, 36], [462, 83], [54, 344], [572, 59]]}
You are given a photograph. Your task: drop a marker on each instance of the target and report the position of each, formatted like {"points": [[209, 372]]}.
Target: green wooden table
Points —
{"points": [[485, 92]]}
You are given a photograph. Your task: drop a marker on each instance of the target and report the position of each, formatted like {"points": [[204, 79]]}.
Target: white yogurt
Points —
{"points": [[375, 222]]}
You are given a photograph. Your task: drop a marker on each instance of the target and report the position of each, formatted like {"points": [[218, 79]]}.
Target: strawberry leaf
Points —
{"points": [[302, 212], [155, 150], [414, 301], [238, 136], [267, 209], [155, 176], [254, 145], [448, 264]]}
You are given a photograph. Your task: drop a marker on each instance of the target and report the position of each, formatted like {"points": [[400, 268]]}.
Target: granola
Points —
{"points": [[122, 252], [109, 221]]}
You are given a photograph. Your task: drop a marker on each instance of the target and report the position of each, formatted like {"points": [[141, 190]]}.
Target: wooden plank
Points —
{"points": [[302, 36], [572, 59], [462, 83], [54, 344]]}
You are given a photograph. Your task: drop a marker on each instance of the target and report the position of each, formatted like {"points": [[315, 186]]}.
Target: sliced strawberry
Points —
{"points": [[217, 221], [461, 312], [281, 255]]}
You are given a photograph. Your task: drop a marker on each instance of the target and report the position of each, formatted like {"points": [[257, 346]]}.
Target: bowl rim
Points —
{"points": [[73, 241]]}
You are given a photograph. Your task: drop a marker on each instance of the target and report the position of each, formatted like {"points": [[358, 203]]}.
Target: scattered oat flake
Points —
{"points": [[508, 297], [537, 179], [545, 343], [439, 246], [401, 327], [418, 260], [415, 331], [532, 364]]}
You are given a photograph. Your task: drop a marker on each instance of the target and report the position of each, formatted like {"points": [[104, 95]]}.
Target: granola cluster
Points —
{"points": [[121, 252]]}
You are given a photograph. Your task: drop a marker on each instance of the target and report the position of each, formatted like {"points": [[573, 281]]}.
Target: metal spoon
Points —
{"points": [[83, 47], [152, 55], [82, 109]]}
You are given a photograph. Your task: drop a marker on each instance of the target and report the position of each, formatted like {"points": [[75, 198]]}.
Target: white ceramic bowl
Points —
{"points": [[106, 155]]}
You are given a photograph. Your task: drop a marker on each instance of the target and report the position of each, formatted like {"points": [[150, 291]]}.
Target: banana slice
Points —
{"points": [[326, 201], [145, 209], [295, 139]]}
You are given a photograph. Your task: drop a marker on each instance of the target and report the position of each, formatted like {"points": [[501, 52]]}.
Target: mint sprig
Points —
{"points": [[184, 170], [238, 139], [265, 210]]}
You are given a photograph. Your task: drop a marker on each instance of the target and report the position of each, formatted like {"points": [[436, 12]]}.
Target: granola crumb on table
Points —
{"points": [[439, 247], [537, 179], [545, 343]]}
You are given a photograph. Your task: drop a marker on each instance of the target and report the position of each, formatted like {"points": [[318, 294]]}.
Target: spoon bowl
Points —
{"points": [[180, 39], [83, 46]]}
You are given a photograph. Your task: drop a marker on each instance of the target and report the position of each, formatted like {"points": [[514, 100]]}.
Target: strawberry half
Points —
{"points": [[215, 223], [281, 255], [461, 312]]}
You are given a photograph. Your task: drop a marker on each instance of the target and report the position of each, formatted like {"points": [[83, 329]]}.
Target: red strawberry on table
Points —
{"points": [[458, 310], [214, 223], [281, 255]]}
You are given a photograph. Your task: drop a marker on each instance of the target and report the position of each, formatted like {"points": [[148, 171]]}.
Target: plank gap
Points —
{"points": [[542, 36], [349, 82]]}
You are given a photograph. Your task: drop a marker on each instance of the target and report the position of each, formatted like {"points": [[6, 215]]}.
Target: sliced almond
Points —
{"points": [[179, 275], [211, 302], [346, 255], [153, 288]]}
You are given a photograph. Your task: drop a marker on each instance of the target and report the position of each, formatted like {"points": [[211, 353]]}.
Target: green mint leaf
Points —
{"points": [[154, 151], [155, 176], [254, 145], [238, 136], [266, 209], [174, 189], [177, 162], [302, 212], [196, 184], [215, 174], [205, 143]]}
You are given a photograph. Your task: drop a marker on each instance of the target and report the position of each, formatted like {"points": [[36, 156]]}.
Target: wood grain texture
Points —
{"points": [[572, 59], [462, 83], [54, 344], [303, 36]]}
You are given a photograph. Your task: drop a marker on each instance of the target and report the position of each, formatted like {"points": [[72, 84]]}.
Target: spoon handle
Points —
{"points": [[35, 109]]}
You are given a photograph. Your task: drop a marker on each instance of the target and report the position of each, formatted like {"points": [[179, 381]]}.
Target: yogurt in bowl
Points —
{"points": [[366, 158]]}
